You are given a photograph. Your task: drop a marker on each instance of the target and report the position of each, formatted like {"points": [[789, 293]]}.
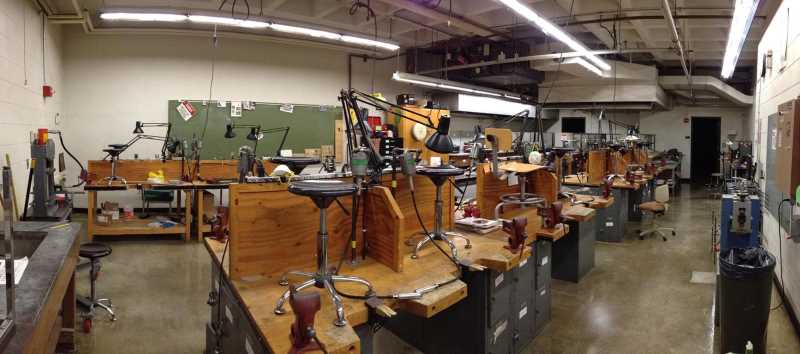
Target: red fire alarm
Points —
{"points": [[47, 91]]}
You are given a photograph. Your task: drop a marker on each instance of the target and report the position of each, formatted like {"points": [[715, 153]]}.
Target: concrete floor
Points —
{"points": [[638, 299]]}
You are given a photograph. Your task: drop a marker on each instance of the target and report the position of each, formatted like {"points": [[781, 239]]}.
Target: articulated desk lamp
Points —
{"points": [[170, 146], [439, 141], [247, 157]]}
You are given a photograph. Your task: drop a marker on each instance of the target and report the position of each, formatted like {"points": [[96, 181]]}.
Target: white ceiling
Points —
{"points": [[419, 22]]}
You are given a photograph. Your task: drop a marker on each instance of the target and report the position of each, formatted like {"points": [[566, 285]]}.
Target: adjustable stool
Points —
{"points": [[94, 251], [323, 193], [440, 175], [295, 164], [114, 151]]}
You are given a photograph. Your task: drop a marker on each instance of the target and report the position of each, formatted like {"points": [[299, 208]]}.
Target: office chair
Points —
{"points": [[657, 208]]}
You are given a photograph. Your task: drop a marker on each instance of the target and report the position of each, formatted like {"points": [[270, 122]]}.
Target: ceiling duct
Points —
{"points": [[707, 84]]}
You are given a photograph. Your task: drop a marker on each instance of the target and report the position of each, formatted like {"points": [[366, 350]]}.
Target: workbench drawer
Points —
{"points": [[524, 279], [543, 263], [524, 318], [542, 309], [498, 338], [500, 300]]}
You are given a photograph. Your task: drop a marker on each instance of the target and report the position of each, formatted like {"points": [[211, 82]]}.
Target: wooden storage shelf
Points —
{"points": [[137, 227]]}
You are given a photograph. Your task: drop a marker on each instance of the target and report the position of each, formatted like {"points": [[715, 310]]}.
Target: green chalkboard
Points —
{"points": [[311, 126]]}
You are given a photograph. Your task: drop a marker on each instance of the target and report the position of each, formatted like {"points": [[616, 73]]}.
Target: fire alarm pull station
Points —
{"points": [[47, 91]]}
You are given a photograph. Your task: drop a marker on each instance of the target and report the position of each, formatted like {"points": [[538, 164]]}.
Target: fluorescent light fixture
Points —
{"points": [[743, 15], [251, 24], [446, 85], [227, 21], [128, 16], [553, 31], [370, 42], [489, 105], [306, 31], [582, 62]]}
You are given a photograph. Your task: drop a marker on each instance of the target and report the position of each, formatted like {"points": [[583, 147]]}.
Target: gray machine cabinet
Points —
{"points": [[522, 307], [610, 221], [573, 255]]}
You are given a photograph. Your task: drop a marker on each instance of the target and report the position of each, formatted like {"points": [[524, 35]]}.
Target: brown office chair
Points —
{"points": [[657, 208]]}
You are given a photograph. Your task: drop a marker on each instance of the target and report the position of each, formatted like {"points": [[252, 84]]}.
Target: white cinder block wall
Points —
{"points": [[781, 84], [672, 131], [114, 80], [23, 70]]}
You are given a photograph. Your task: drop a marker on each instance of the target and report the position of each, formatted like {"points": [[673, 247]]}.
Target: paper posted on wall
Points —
{"points": [[236, 109], [19, 269], [186, 110], [287, 108]]}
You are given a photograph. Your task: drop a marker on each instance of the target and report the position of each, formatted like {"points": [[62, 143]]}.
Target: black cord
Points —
{"points": [[780, 249], [64, 147], [321, 347]]}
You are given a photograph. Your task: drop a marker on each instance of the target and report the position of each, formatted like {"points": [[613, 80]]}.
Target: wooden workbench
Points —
{"points": [[259, 294]]}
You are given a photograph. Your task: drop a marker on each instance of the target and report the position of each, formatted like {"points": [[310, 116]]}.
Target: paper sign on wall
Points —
{"points": [[248, 105], [287, 108], [236, 108], [186, 110], [222, 104]]}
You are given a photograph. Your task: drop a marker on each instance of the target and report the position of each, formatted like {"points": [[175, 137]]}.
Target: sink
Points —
{"points": [[25, 242]]}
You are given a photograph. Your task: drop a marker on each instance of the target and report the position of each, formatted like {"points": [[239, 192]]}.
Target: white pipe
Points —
{"points": [[706, 83], [676, 38]]}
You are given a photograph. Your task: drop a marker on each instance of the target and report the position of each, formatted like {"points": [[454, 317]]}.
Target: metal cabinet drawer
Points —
{"points": [[500, 301], [524, 316], [542, 310], [524, 279], [498, 338], [543, 263]]}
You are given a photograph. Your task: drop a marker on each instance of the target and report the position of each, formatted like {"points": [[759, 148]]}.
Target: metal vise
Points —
{"points": [[516, 233], [552, 215], [305, 307]]}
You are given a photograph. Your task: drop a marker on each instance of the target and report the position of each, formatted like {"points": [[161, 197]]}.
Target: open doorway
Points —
{"points": [[705, 148]]}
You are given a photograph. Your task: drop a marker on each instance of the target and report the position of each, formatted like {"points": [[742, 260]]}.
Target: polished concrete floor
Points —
{"points": [[638, 298]]}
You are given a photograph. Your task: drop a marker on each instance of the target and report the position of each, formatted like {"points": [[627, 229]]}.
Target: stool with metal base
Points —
{"points": [[440, 175], [114, 151], [323, 193], [94, 251]]}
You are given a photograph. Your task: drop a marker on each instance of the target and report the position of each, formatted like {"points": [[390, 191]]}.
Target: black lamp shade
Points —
{"points": [[229, 133], [253, 136], [440, 140], [138, 129]]}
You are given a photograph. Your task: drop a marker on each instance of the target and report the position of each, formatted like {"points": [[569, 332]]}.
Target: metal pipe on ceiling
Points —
{"points": [[543, 57], [676, 38]]}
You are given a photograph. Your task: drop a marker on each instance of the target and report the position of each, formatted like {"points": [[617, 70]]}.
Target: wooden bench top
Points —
{"points": [[259, 294]]}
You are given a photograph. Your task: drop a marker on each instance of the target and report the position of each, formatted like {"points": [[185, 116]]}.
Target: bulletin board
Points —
{"points": [[310, 126], [772, 195]]}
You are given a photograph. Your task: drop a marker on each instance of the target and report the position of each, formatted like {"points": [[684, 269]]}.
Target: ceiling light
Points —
{"points": [[582, 62], [227, 21], [742, 18], [127, 16], [553, 31], [450, 85], [306, 31], [489, 105], [370, 42]]}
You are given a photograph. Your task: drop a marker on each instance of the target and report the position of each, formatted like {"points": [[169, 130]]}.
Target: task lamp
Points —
{"points": [[256, 133]]}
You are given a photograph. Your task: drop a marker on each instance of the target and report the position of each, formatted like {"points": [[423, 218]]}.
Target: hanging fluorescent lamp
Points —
{"points": [[227, 21], [250, 24], [742, 18], [144, 17], [454, 86], [553, 31]]}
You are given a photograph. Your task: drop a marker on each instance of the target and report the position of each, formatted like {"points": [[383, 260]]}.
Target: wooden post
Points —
{"points": [[187, 233]]}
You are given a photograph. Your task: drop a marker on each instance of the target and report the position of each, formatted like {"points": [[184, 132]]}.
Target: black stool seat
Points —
{"points": [[561, 151], [117, 146], [296, 164], [441, 171], [439, 175], [322, 189], [94, 250], [113, 151]]}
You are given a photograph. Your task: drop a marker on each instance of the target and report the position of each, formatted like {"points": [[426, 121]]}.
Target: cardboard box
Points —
{"points": [[327, 150], [314, 153]]}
